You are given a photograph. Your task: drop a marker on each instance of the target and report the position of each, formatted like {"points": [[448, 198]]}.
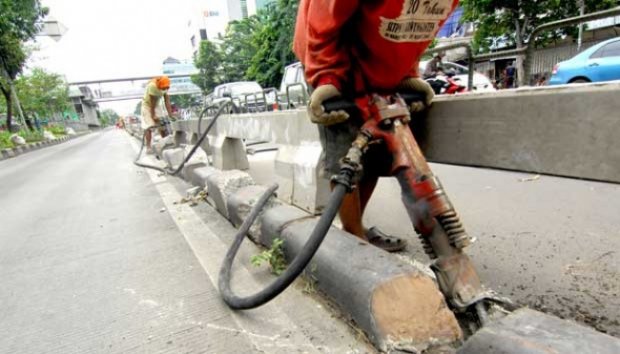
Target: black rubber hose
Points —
{"points": [[191, 153], [297, 265]]}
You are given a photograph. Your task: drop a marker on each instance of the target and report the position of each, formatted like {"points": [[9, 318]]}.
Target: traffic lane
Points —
{"points": [[89, 263], [549, 242]]}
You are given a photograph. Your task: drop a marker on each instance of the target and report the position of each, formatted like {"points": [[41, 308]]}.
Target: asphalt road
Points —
{"points": [[549, 243], [95, 257]]}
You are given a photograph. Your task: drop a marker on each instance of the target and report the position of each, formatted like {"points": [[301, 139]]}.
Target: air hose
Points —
{"points": [[176, 171], [343, 183]]}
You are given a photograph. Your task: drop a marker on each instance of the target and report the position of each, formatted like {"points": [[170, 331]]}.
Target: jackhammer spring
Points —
{"points": [[428, 248], [451, 223]]}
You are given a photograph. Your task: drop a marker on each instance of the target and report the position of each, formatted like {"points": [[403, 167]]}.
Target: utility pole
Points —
{"points": [[582, 10]]}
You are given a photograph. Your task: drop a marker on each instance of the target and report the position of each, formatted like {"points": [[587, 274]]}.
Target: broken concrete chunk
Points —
{"points": [[18, 140], [240, 205], [222, 184]]}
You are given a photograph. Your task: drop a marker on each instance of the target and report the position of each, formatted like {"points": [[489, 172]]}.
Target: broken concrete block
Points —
{"points": [[189, 168], [397, 304], [527, 331], [173, 157], [241, 202], [17, 140], [224, 183], [162, 144], [47, 135], [199, 176]]}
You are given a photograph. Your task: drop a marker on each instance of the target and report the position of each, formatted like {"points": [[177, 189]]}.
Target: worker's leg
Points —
{"points": [[148, 136], [367, 187], [353, 206], [351, 214]]}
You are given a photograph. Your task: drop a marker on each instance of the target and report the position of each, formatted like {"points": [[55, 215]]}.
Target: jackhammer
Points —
{"points": [[433, 216]]}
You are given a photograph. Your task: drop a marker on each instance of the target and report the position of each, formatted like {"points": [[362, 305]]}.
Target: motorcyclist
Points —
{"points": [[351, 48], [434, 66]]}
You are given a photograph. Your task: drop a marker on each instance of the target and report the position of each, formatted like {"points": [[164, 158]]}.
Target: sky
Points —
{"points": [[109, 39]]}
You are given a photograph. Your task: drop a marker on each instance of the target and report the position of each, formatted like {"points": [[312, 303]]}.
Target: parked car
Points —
{"points": [[598, 63], [481, 82], [248, 96], [293, 88]]}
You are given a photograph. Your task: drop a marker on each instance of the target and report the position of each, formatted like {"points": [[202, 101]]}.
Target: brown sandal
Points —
{"points": [[385, 242]]}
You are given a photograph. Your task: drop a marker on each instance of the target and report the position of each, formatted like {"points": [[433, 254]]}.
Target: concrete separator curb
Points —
{"points": [[382, 298]]}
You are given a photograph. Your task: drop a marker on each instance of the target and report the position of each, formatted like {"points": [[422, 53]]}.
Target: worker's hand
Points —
{"points": [[317, 112], [415, 84]]}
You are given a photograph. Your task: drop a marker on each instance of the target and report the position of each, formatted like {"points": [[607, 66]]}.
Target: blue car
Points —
{"points": [[596, 64]]}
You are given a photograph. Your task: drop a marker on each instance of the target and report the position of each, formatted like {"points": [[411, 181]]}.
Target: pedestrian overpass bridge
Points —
{"points": [[99, 96]]}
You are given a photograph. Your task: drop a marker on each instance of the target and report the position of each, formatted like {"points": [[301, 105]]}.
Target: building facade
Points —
{"points": [[172, 66], [208, 18]]}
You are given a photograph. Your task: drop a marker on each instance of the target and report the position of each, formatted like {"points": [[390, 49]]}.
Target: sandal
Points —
{"points": [[385, 242]]}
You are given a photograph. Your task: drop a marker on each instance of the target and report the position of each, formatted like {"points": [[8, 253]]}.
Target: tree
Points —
{"points": [[182, 101], [19, 22], [108, 117], [208, 62], [42, 93], [273, 42], [513, 21], [239, 48]]}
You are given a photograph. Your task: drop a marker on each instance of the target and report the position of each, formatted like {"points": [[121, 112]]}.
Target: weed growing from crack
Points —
{"points": [[274, 256]]}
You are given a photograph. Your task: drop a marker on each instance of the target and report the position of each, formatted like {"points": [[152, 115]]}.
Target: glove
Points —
{"points": [[317, 112], [415, 84]]}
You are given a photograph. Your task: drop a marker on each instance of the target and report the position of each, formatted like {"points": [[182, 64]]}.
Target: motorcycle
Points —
{"points": [[446, 83]]}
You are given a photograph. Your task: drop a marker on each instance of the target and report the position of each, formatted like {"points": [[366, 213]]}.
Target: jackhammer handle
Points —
{"points": [[341, 104]]}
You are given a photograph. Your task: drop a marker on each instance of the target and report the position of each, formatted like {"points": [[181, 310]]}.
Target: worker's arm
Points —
{"points": [[325, 58], [168, 105], [152, 104]]}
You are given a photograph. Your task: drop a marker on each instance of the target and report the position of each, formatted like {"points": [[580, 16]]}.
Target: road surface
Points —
{"points": [[95, 258]]}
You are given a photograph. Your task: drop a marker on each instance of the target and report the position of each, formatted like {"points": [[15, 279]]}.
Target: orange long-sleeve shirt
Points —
{"points": [[366, 44]]}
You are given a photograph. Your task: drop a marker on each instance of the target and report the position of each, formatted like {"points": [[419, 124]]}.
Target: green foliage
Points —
{"points": [[514, 21], [19, 22], [42, 93], [274, 43], [238, 48], [55, 129], [138, 110], [274, 256], [208, 62], [5, 140], [182, 101], [29, 136], [108, 117], [33, 136], [256, 48]]}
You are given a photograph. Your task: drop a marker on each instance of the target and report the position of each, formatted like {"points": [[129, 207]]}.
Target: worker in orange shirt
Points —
{"points": [[351, 48]]}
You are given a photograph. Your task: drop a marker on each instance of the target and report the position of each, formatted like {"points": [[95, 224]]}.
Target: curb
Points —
{"points": [[19, 150], [381, 299], [529, 331]]}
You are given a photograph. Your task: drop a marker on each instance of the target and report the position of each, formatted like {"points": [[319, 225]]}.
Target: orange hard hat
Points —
{"points": [[162, 82]]}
